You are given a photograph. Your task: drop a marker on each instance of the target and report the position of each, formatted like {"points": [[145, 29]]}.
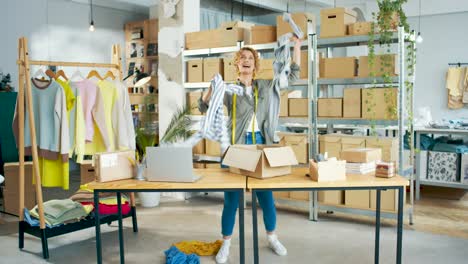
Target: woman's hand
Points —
{"points": [[297, 50]]}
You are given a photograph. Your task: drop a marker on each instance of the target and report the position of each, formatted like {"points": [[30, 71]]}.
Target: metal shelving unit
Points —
{"points": [[313, 94]]}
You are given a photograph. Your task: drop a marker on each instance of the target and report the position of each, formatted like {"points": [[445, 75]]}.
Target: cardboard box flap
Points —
{"points": [[296, 140], [280, 156], [228, 25], [242, 157], [334, 11]]}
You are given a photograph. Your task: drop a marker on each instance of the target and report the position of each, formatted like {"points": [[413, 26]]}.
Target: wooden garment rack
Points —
{"points": [[24, 86]]}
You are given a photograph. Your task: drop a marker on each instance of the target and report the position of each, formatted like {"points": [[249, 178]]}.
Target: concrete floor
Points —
{"points": [[331, 240]]}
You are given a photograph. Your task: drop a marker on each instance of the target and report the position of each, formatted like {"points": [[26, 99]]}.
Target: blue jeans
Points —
{"points": [[265, 199]]}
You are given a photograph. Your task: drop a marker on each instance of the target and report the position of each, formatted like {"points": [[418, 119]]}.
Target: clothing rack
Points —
{"points": [[459, 64], [24, 86]]}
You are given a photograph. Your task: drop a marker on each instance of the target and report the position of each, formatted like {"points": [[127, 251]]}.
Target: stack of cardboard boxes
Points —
{"points": [[11, 189]]}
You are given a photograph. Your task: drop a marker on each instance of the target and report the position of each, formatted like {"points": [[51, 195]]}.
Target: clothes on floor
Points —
{"points": [[199, 248], [174, 256]]}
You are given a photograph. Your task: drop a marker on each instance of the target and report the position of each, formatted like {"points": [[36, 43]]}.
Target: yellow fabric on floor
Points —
{"points": [[199, 247]]}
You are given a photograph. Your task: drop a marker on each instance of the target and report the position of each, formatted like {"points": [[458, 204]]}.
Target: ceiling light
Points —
{"points": [[419, 38]]}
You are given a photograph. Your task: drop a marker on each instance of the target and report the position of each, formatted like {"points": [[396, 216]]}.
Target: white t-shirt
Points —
{"points": [[249, 92]]}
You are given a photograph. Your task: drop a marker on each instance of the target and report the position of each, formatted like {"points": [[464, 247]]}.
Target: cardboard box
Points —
{"points": [[357, 199], [298, 107], [300, 195], [330, 143], [213, 166], [230, 70], [359, 28], [212, 148], [304, 65], [388, 200], [233, 32], [344, 67], [260, 161], [11, 201], [389, 147], [281, 195], [199, 148], [361, 155], [266, 69], [330, 170], [284, 111], [195, 70], [349, 142], [260, 34], [331, 197], [379, 103], [301, 19], [113, 166], [298, 143], [197, 165], [11, 189], [330, 107], [87, 173], [211, 67], [352, 103], [228, 35], [192, 102], [335, 21], [379, 67]]}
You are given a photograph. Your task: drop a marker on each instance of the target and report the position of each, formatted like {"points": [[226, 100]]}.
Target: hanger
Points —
{"points": [[109, 74], [50, 73], [59, 74], [94, 73], [77, 74]]}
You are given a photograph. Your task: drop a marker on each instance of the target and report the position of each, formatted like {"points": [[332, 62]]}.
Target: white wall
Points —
{"points": [[58, 30]]}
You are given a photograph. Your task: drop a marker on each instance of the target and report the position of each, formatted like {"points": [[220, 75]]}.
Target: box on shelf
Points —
{"points": [[212, 148], [344, 67], [260, 34], [380, 68], [304, 65], [379, 103], [112, 166], [299, 195], [87, 173], [357, 199], [233, 32], [298, 107], [464, 168], [330, 107], [443, 166], [330, 170], [359, 28], [197, 165], [389, 147], [361, 155], [199, 148], [11, 189], [260, 161], [388, 200], [298, 143], [330, 143], [335, 21], [211, 67], [284, 111], [352, 103], [11, 201], [192, 102], [281, 195], [301, 19], [348, 142], [266, 69], [227, 35], [331, 197], [195, 71], [230, 70]]}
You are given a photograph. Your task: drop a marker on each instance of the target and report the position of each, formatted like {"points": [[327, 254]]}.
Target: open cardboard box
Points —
{"points": [[330, 170], [260, 161]]}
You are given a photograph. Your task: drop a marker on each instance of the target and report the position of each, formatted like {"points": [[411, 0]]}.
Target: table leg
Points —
{"points": [[98, 228], [400, 224], [316, 205], [241, 228], [377, 227], [311, 206], [418, 167], [121, 242], [255, 226]]}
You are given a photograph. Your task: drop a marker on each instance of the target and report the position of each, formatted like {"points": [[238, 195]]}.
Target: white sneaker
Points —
{"points": [[276, 246], [223, 253]]}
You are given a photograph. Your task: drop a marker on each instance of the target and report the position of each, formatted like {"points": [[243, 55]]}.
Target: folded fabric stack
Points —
{"points": [[107, 201], [360, 168], [385, 169], [58, 212]]}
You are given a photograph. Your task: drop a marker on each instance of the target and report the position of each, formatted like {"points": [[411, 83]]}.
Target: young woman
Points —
{"points": [[251, 128]]}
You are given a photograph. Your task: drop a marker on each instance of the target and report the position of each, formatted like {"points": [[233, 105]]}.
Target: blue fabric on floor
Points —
{"points": [[175, 256]]}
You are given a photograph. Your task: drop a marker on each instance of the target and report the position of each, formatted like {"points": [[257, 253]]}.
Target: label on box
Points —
{"points": [[108, 161]]}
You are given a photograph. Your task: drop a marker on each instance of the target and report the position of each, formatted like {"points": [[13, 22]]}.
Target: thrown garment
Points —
{"points": [[199, 247], [174, 256], [213, 125]]}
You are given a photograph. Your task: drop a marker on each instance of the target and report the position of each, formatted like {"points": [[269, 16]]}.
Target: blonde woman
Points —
{"points": [[252, 112]]}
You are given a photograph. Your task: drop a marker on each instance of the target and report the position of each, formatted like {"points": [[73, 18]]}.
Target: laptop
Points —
{"points": [[170, 164]]}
